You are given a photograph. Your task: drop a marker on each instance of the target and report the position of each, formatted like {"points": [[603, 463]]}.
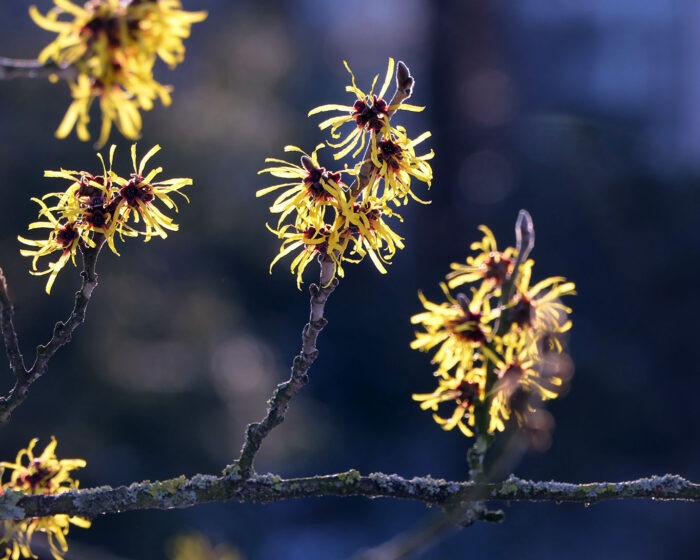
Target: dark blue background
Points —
{"points": [[584, 113]]}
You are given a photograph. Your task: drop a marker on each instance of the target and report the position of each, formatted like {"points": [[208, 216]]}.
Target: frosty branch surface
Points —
{"points": [[186, 492], [284, 392], [23, 68], [62, 334]]}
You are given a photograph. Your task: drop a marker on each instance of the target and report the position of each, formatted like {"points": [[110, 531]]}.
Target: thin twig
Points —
{"points": [[9, 334], [62, 333], [22, 68], [284, 392], [185, 492]]}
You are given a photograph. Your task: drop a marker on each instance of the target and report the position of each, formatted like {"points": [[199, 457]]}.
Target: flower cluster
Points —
{"points": [[498, 349], [96, 208], [43, 474], [321, 213], [113, 45]]}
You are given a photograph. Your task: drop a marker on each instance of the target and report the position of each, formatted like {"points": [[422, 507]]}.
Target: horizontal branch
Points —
{"points": [[20, 68], [186, 492]]}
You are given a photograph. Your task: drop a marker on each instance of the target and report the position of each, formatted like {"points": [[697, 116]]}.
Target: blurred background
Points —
{"points": [[585, 113]]}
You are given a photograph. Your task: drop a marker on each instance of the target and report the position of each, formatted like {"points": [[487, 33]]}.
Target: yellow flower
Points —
{"points": [[137, 195], [43, 474], [370, 113], [119, 107], [357, 230], [512, 352], [120, 99], [65, 236], [103, 205], [313, 243], [490, 264], [521, 382], [79, 212], [539, 308], [163, 25], [326, 221], [458, 327], [74, 37], [396, 162], [319, 215], [364, 222], [465, 389], [311, 190], [113, 45]]}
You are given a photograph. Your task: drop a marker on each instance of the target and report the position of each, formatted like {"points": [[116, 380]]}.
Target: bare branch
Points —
{"points": [[20, 68], [284, 392], [62, 333], [185, 492], [9, 334]]}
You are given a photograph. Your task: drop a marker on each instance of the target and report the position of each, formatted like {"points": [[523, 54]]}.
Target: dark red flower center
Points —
{"points": [[97, 216], [91, 191], [136, 190], [468, 327], [391, 153], [102, 26], [521, 313], [38, 474], [315, 180], [468, 393], [373, 215], [106, 23], [66, 235], [311, 233], [497, 267], [370, 115]]}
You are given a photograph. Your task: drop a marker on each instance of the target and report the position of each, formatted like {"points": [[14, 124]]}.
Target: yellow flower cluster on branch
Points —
{"points": [[42, 474], [321, 214], [494, 345], [113, 45], [98, 207]]}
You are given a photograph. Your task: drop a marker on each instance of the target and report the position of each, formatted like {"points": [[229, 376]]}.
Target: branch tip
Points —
{"points": [[307, 163], [463, 301], [404, 80], [524, 234]]}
